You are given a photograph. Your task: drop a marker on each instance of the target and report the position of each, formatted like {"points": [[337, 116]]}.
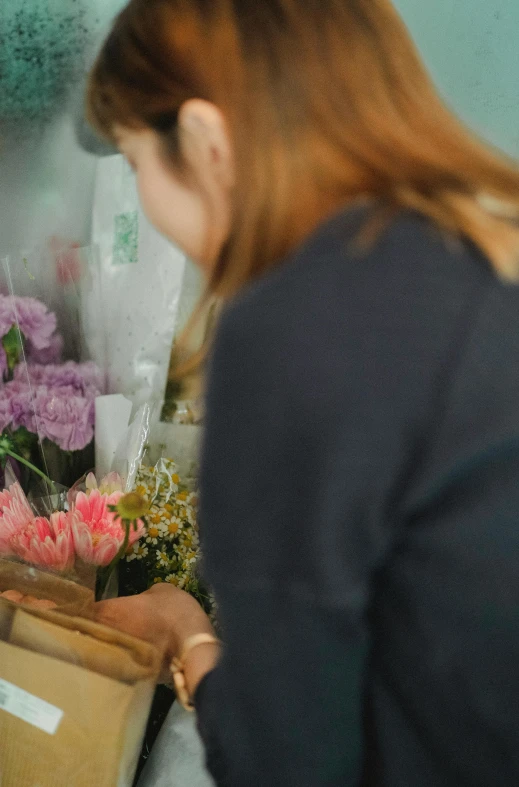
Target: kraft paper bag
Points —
{"points": [[71, 598], [74, 702]]}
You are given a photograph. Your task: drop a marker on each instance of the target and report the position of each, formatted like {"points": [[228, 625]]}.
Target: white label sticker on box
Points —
{"points": [[29, 708]]}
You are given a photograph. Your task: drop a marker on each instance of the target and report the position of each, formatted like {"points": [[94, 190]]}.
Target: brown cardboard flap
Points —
{"points": [[98, 738], [7, 611], [71, 598], [88, 746], [76, 647], [142, 652]]}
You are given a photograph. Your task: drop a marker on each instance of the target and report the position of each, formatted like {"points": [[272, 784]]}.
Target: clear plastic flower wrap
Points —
{"points": [[48, 386], [47, 417], [159, 462], [157, 286]]}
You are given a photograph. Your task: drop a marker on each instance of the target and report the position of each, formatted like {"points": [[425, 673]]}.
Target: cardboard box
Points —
{"points": [[74, 701]]}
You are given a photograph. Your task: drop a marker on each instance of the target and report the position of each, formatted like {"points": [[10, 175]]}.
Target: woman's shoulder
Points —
{"points": [[347, 272], [389, 333]]}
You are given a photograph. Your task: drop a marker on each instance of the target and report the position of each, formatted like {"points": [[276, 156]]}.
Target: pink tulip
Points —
{"points": [[15, 515], [98, 535], [47, 543]]}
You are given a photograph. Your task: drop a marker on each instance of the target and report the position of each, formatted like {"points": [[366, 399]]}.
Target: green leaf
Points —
{"points": [[12, 343], [6, 446], [24, 442], [26, 266]]}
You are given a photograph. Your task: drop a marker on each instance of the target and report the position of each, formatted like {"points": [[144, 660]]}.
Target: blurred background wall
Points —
{"points": [[46, 179], [471, 49], [46, 46]]}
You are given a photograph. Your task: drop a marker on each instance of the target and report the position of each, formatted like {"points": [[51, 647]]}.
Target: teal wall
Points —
{"points": [[472, 49]]}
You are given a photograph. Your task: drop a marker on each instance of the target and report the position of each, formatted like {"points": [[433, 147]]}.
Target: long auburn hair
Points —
{"points": [[326, 101]]}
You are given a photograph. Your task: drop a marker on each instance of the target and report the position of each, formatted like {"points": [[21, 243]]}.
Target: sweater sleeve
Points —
{"points": [[310, 431]]}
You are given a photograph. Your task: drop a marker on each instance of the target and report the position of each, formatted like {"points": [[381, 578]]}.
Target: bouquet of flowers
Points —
{"points": [[47, 409], [90, 529], [169, 550], [56, 663]]}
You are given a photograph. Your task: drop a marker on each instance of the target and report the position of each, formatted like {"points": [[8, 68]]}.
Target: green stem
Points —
{"points": [[34, 469]]}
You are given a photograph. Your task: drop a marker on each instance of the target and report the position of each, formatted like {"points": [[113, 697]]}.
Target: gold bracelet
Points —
{"points": [[178, 667]]}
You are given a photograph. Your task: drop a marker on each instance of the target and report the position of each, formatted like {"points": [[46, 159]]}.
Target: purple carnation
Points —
{"points": [[57, 413], [34, 320], [51, 354], [83, 378], [3, 363], [66, 420], [5, 411], [21, 411]]}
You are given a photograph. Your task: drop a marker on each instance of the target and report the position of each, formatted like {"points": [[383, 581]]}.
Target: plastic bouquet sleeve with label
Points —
{"points": [[148, 286]]}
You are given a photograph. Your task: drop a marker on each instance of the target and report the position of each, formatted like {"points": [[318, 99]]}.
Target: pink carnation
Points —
{"points": [[98, 534]]}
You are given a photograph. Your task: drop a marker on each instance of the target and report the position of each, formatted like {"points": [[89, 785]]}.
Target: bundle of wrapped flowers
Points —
{"points": [[92, 529], [42, 398]]}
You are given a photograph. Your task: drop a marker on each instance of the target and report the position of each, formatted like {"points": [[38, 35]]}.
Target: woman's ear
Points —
{"points": [[206, 141]]}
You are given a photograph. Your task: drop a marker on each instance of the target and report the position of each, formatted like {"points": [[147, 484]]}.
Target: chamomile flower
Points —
{"points": [[152, 535], [162, 558], [170, 548], [138, 552]]}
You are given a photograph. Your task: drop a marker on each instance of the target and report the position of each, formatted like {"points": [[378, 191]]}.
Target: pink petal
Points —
{"points": [[91, 482], [106, 551], [82, 541]]}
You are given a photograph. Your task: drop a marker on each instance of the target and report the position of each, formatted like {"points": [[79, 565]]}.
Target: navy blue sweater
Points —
{"points": [[360, 518]]}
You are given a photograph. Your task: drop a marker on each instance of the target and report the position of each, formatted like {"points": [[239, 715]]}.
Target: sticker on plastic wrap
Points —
{"points": [[126, 240], [29, 708]]}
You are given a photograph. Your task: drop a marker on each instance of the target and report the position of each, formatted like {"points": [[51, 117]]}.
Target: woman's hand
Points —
{"points": [[166, 617]]}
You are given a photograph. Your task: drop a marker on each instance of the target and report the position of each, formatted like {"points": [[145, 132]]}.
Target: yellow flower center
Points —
{"points": [[153, 532], [173, 527]]}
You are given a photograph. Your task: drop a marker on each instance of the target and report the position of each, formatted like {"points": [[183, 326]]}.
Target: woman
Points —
{"points": [[360, 479]]}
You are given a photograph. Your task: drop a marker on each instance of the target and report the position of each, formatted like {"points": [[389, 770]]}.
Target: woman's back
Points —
{"points": [[443, 681], [366, 408]]}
